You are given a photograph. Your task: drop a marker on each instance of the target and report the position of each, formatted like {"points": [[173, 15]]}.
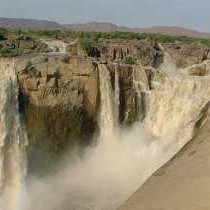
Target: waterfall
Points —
{"points": [[12, 139], [107, 118], [168, 66], [117, 93], [176, 102], [140, 91]]}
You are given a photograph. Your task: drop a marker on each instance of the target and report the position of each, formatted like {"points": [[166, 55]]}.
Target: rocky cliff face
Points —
{"points": [[145, 52], [22, 45], [59, 99], [187, 54]]}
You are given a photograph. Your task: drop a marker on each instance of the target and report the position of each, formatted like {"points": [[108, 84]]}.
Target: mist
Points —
{"points": [[104, 177]]}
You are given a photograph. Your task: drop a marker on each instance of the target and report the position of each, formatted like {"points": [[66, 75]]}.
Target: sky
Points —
{"points": [[192, 14]]}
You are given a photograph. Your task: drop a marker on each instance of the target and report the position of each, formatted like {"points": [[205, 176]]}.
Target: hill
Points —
{"points": [[109, 27], [27, 23], [98, 27]]}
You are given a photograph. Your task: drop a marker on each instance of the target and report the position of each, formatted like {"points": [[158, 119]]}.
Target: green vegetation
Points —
{"points": [[91, 47], [129, 60], [87, 45], [32, 72], [35, 33], [89, 40], [95, 36], [3, 34], [9, 52]]}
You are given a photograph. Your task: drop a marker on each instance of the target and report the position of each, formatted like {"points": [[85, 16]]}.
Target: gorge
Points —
{"points": [[81, 133]]}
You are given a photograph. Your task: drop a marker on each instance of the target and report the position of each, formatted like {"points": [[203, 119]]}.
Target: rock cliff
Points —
{"points": [[59, 99]]}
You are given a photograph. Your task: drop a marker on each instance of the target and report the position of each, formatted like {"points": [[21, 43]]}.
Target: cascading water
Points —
{"points": [[168, 66], [117, 93], [12, 140], [178, 100], [140, 91], [107, 118]]}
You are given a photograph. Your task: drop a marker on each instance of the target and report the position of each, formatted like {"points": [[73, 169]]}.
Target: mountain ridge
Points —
{"points": [[99, 27]]}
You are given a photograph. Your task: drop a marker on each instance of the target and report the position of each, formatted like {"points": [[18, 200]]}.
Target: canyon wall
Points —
{"points": [[60, 99]]}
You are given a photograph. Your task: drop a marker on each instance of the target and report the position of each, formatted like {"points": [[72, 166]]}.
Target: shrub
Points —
{"points": [[9, 52], [32, 72], [87, 45], [129, 60], [3, 33]]}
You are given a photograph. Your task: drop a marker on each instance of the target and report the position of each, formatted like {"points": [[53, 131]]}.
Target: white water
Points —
{"points": [[176, 102], [117, 93], [107, 118], [12, 140], [139, 88]]}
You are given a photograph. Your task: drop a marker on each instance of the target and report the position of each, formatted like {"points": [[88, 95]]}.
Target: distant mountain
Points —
{"points": [[27, 23], [92, 26], [107, 27], [174, 31], [98, 27]]}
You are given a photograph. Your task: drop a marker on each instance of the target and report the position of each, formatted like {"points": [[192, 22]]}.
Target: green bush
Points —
{"points": [[9, 52], [32, 72], [129, 60], [87, 45], [3, 34], [89, 39]]}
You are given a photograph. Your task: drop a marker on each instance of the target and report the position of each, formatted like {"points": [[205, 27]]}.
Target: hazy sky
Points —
{"points": [[142, 13]]}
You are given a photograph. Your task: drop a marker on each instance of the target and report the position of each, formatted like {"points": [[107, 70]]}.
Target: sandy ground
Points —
{"points": [[182, 184]]}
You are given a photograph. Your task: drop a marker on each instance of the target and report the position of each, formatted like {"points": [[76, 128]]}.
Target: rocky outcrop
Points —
{"points": [[144, 53], [22, 46], [187, 54], [141, 52], [202, 69], [59, 99]]}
